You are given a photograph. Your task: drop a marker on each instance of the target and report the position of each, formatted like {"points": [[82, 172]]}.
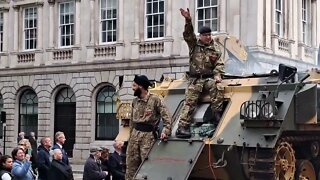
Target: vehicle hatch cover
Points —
{"points": [[173, 160]]}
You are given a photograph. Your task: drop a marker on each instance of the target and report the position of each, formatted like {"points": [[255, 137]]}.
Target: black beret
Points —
{"points": [[204, 29], [142, 81]]}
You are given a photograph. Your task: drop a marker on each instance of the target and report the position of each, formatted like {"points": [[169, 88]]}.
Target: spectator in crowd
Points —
{"points": [[60, 140], [34, 145], [92, 168], [58, 169], [21, 168], [26, 146], [115, 161], [20, 136], [5, 167], [44, 158], [104, 161]]}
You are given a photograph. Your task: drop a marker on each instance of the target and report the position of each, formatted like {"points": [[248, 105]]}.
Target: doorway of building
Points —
{"points": [[65, 117]]}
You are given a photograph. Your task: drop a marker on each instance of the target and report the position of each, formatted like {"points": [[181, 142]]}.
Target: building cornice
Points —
{"points": [[110, 65], [17, 4]]}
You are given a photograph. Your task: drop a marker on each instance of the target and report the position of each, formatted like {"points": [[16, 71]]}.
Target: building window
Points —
{"points": [[155, 18], [306, 21], [1, 31], [279, 17], [108, 20], [107, 126], [28, 112], [30, 28], [66, 23], [207, 14]]}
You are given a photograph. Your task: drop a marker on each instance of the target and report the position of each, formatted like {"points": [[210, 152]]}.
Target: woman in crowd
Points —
{"points": [[21, 168], [5, 167]]}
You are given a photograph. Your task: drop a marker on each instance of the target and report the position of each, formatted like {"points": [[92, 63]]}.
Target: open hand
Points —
{"points": [[163, 136], [185, 13]]}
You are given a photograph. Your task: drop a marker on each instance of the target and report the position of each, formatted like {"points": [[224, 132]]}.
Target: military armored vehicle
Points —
{"points": [[269, 130]]}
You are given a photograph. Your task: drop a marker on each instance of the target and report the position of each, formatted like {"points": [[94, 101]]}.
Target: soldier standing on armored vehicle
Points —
{"points": [[147, 109], [205, 72]]}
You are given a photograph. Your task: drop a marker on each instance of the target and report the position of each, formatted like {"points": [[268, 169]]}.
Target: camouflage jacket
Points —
{"points": [[202, 57], [149, 111]]}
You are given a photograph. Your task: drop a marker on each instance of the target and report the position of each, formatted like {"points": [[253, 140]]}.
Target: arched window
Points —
{"points": [[65, 117], [107, 126], [28, 112]]}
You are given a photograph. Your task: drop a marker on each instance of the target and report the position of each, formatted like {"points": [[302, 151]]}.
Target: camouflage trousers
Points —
{"points": [[193, 92], [138, 147]]}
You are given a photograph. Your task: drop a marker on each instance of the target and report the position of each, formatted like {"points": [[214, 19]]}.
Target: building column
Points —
{"points": [[222, 15], [318, 22], [39, 26], [137, 20], [299, 29], [120, 47], [168, 35], [268, 24], [314, 24], [5, 58], [16, 29], [5, 31], [92, 25], [51, 26], [77, 23], [39, 56], [136, 42], [314, 43], [290, 30], [259, 22]]}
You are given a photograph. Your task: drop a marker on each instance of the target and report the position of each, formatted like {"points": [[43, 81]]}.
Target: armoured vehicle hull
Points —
{"points": [[269, 130]]}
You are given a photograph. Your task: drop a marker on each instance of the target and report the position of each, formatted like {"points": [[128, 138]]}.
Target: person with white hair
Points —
{"points": [[92, 168], [58, 169], [115, 161]]}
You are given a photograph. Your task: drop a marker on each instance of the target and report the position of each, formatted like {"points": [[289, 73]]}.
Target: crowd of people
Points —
{"points": [[28, 161]]}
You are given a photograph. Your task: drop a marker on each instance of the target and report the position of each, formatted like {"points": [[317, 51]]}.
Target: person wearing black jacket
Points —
{"points": [[92, 168], [43, 158], [60, 140], [104, 161], [58, 169], [33, 142], [114, 162]]}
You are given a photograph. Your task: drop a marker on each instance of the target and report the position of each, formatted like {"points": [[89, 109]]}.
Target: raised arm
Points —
{"points": [[188, 33]]}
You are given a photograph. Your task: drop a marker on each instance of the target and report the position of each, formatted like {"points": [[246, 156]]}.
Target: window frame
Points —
{"points": [[113, 31], [211, 12], [151, 14], [34, 105], [35, 8], [114, 112], [306, 15], [73, 25], [280, 23]]}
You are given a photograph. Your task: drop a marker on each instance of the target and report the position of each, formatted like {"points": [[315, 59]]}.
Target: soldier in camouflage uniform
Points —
{"points": [[147, 109], [206, 70]]}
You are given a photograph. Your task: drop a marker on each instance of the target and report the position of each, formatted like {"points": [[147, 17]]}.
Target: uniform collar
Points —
{"points": [[145, 99], [199, 43]]}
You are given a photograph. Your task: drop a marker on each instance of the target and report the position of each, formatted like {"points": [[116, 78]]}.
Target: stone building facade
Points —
{"points": [[61, 61]]}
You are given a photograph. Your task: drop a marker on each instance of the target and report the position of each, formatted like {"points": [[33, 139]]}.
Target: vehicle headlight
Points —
{"points": [[267, 111], [252, 110]]}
